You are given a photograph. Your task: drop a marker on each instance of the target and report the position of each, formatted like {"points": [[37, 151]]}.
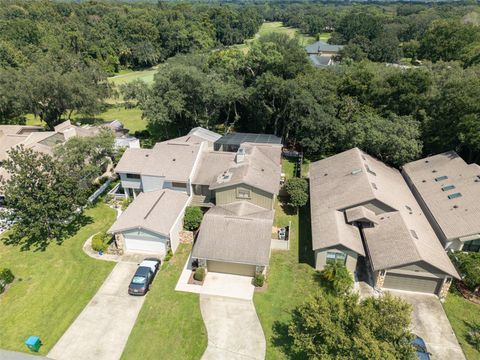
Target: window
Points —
{"points": [[448, 187], [179, 185], [454, 196], [133, 176], [336, 257], [243, 193], [440, 178], [471, 246]]}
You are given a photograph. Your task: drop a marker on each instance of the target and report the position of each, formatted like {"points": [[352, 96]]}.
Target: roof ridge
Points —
{"points": [[153, 206]]}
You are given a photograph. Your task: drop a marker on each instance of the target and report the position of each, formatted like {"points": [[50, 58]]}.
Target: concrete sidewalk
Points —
{"points": [[102, 329], [234, 330], [14, 355]]}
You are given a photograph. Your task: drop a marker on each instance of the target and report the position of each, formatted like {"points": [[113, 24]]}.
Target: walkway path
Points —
{"points": [[101, 330], [234, 331]]}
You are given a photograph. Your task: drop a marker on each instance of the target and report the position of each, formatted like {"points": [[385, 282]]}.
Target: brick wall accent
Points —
{"points": [[445, 287], [380, 279]]}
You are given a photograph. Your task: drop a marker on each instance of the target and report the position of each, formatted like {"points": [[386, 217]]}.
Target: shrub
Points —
{"points": [[193, 218], [338, 277], [473, 335], [469, 266], [125, 203], [199, 274], [297, 191], [100, 241], [258, 279], [6, 275], [169, 255]]}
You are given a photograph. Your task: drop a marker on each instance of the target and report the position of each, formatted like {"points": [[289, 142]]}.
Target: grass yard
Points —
{"points": [[170, 325], [277, 27], [127, 76], [460, 312], [51, 287], [291, 278], [130, 118]]}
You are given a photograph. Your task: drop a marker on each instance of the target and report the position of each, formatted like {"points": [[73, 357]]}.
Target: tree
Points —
{"points": [[297, 191], [338, 276], [193, 218], [469, 266], [42, 196], [326, 327]]}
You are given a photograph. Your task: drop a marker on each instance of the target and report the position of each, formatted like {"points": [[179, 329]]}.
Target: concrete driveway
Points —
{"points": [[101, 330], [431, 323], [234, 331]]}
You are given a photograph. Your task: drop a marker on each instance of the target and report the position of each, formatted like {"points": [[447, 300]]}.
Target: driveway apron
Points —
{"points": [[234, 331], [101, 330]]}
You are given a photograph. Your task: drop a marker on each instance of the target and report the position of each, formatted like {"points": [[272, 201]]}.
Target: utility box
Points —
{"points": [[33, 343]]}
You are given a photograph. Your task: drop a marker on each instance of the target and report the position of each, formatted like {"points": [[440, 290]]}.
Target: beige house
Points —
{"points": [[362, 208], [448, 189]]}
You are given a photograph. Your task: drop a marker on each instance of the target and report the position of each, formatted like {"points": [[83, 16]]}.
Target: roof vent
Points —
{"points": [[356, 171], [455, 206], [174, 159], [424, 181], [427, 161], [414, 234], [434, 171]]}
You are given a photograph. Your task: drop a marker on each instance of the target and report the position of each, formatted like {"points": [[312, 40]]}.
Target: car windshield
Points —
{"points": [[138, 280]]}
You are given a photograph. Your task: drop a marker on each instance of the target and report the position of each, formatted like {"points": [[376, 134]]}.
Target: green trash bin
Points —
{"points": [[33, 343]]}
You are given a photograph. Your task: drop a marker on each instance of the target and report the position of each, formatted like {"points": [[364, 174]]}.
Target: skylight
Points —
{"points": [[454, 196], [448, 187], [440, 178]]}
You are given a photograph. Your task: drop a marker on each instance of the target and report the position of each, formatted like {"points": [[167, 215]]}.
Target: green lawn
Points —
{"points": [[170, 325], [130, 118], [291, 278], [52, 287], [461, 311], [277, 27], [127, 76]]}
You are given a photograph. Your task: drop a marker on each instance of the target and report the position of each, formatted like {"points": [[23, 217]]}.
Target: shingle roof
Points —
{"points": [[353, 178], [212, 164], [319, 46], [155, 211], [320, 61], [170, 159], [259, 169], [239, 232], [459, 216]]}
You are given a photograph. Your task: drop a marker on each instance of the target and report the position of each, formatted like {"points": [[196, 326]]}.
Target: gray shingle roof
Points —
{"points": [[320, 61], [457, 217], [319, 46], [353, 178], [155, 211], [239, 232]]}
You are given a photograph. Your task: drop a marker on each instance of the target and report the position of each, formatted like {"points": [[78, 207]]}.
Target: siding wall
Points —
{"points": [[321, 258], [258, 197], [175, 232], [418, 269], [142, 234], [130, 183], [152, 183]]}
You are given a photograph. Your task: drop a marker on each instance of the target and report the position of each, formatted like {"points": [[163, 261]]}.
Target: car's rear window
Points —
{"points": [[138, 280]]}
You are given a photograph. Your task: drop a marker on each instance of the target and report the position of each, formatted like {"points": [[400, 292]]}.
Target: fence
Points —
{"points": [[100, 190], [277, 244]]}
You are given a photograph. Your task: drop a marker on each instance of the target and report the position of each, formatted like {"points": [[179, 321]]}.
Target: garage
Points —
{"points": [[143, 245], [412, 283], [231, 268]]}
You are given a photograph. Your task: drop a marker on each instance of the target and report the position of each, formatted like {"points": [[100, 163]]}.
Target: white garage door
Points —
{"points": [[412, 283], [153, 246]]}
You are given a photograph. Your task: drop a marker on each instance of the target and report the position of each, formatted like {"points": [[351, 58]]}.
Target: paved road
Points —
{"points": [[431, 323], [101, 330], [234, 331]]}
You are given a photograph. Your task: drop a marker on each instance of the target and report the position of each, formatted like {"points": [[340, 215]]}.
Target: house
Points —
{"points": [[232, 141], [235, 238], [238, 189], [361, 208], [448, 189], [152, 222], [322, 54]]}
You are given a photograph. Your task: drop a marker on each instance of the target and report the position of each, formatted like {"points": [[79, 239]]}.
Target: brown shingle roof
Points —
{"points": [[155, 211], [457, 217], [239, 232]]}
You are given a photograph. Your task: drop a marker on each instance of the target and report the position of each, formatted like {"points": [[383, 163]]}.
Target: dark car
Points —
{"points": [[143, 276], [421, 348]]}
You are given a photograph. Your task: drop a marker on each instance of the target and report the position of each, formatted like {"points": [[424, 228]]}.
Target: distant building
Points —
{"points": [[322, 54]]}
